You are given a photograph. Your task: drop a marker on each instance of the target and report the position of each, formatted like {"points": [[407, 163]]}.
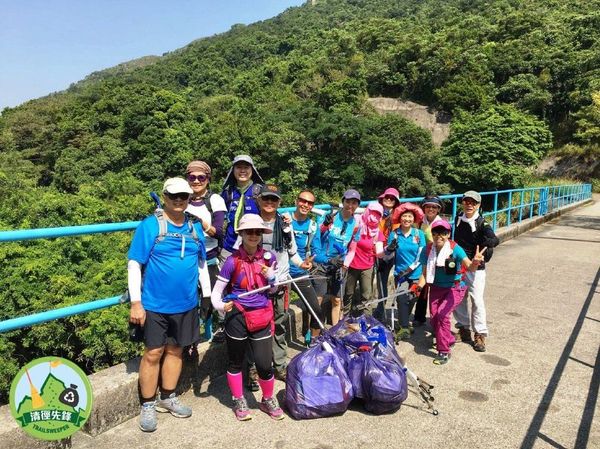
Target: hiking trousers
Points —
{"points": [[475, 281], [365, 279], [442, 301]]}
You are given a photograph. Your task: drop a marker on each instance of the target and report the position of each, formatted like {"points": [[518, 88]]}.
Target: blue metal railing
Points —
{"points": [[530, 201]]}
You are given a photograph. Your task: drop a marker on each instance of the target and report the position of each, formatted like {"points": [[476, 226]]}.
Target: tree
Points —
{"points": [[494, 148]]}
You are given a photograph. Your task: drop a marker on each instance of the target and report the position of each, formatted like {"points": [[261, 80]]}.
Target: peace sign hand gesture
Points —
{"points": [[478, 258]]}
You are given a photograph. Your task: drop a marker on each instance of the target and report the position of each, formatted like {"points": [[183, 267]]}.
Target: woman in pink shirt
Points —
{"points": [[361, 256]]}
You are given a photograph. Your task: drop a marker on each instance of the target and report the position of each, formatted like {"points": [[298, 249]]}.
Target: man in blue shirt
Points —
{"points": [[305, 230], [336, 233], [169, 247]]}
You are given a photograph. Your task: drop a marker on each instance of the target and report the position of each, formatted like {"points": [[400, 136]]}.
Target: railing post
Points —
{"points": [[454, 212], [495, 211], [509, 209], [531, 201], [522, 194]]}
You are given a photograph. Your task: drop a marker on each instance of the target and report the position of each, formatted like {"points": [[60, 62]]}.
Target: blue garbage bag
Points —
{"points": [[384, 387], [317, 384]]}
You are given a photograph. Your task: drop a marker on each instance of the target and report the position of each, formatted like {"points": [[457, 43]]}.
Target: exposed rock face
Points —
{"points": [[437, 123], [569, 167]]}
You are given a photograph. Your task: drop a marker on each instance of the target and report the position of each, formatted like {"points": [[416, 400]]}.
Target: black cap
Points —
{"points": [[269, 190]]}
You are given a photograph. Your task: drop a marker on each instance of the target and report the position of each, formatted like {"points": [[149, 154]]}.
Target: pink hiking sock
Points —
{"points": [[235, 384], [267, 387]]}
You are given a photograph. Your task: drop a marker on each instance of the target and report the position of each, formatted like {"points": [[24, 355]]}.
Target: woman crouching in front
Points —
{"points": [[249, 317]]}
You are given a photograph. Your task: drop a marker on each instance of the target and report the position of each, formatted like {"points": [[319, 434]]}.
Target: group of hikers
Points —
{"points": [[234, 257]]}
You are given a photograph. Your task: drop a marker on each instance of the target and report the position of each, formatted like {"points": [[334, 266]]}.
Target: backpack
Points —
{"points": [[255, 190], [237, 265], [325, 231], [163, 233], [479, 230]]}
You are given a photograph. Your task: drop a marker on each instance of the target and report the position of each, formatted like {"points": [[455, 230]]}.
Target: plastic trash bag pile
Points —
{"points": [[357, 358]]}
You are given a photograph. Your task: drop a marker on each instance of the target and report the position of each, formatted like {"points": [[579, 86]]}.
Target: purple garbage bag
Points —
{"points": [[348, 331], [317, 384], [384, 386]]}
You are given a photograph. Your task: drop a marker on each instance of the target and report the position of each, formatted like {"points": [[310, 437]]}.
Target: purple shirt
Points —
{"points": [[238, 284]]}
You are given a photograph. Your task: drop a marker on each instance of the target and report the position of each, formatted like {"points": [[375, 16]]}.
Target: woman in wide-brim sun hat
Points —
{"points": [[249, 268]]}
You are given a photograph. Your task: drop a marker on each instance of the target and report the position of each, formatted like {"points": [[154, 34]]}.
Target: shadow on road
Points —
{"points": [[583, 433]]}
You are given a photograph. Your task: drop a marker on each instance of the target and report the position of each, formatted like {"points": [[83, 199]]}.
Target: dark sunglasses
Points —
{"points": [[389, 197], [270, 198], [444, 232], [253, 231], [178, 196], [305, 201], [199, 178]]}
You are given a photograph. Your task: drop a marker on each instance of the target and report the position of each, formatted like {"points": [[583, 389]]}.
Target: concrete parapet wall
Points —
{"points": [[516, 229]]}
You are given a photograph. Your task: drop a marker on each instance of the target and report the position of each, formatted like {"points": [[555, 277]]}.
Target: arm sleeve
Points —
{"points": [[216, 297], [204, 279], [293, 251], [134, 280], [350, 254]]}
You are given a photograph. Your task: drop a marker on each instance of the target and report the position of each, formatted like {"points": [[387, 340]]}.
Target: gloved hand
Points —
{"points": [[392, 246], [415, 289], [328, 220], [230, 297], [336, 261]]}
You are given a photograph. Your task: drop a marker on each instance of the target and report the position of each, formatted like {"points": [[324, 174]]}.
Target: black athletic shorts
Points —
{"points": [[177, 329], [235, 327]]}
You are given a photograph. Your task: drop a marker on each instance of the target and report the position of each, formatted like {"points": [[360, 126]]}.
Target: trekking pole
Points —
{"points": [[156, 199], [308, 307], [423, 388], [379, 283], [267, 287]]}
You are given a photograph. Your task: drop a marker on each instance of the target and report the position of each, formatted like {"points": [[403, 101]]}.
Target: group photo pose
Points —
{"points": [[232, 264]]}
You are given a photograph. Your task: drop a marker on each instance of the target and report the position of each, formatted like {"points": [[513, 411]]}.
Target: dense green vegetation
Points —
{"points": [[518, 76]]}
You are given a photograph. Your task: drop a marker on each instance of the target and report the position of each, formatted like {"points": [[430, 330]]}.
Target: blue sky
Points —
{"points": [[45, 45]]}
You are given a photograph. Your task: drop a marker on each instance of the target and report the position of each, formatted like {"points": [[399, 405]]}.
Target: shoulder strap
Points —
{"points": [[312, 229], [162, 225], [207, 203]]}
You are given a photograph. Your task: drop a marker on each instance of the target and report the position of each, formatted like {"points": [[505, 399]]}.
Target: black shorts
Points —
{"points": [[328, 280], [177, 329], [235, 327]]}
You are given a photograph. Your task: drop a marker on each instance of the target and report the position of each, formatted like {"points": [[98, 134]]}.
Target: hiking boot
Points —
{"points": [[148, 419], [271, 408], [173, 406], [479, 344], [241, 410], [441, 359], [280, 374], [465, 335], [252, 381], [403, 333]]}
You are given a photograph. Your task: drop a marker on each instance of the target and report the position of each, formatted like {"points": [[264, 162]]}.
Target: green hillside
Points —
{"points": [[517, 76]]}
